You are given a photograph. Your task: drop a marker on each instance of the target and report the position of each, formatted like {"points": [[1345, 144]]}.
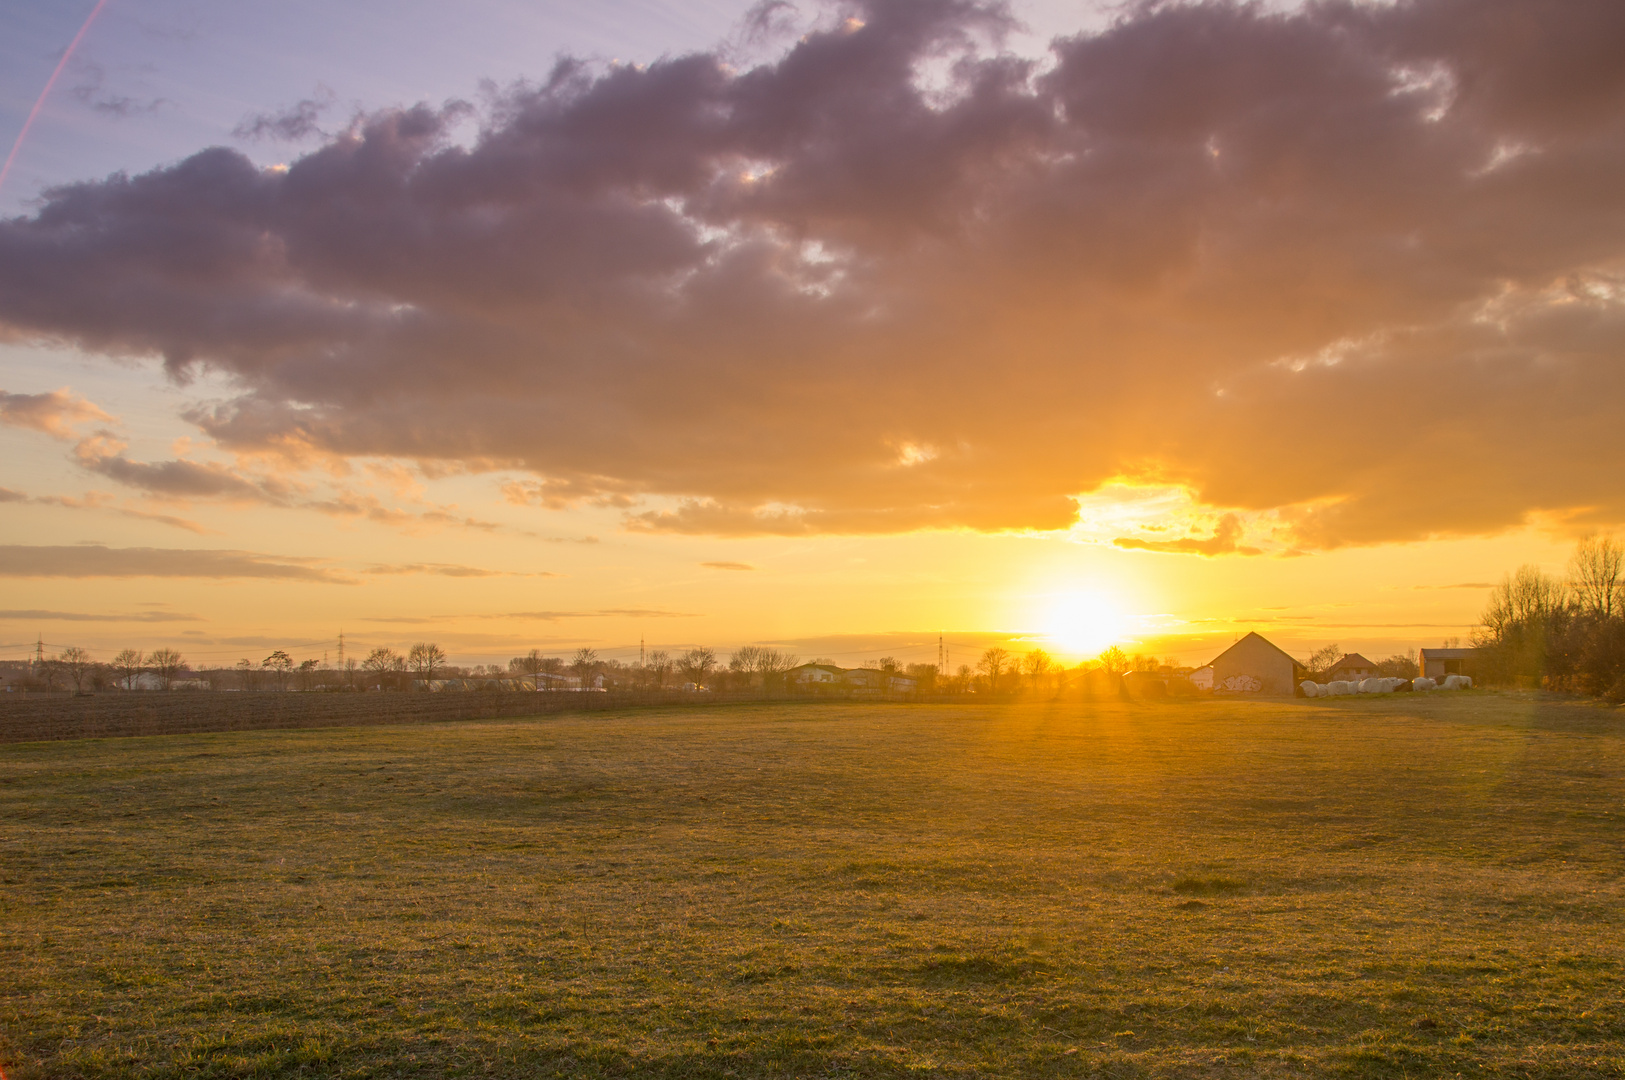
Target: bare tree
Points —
{"points": [[381, 664], [1037, 664], [993, 665], [529, 664], [424, 657], [166, 664], [1594, 574], [1524, 597], [696, 664], [924, 676], [1114, 660], [77, 664], [1321, 660], [760, 662], [350, 666], [584, 664], [307, 674], [128, 665], [279, 664], [658, 669]]}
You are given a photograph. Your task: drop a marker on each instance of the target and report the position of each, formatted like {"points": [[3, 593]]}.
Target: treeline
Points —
{"points": [[997, 671], [1563, 633]]}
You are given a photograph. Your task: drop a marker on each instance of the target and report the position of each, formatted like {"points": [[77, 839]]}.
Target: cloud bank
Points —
{"points": [[1357, 265]]}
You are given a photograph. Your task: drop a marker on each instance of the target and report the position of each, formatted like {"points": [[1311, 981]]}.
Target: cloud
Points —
{"points": [[95, 500], [33, 614], [1226, 540], [103, 454], [1360, 267], [728, 566], [55, 413], [540, 616], [454, 570], [294, 124], [97, 560]]}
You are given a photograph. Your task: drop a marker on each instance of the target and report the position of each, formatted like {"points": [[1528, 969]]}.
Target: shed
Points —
{"points": [[1437, 663], [1255, 665]]}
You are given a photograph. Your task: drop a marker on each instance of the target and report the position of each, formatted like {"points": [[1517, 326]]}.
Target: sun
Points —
{"points": [[1084, 623]]}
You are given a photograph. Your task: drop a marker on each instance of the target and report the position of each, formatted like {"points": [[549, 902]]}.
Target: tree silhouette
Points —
{"points": [[278, 664], [128, 665], [166, 664], [424, 657], [696, 664], [993, 664], [78, 665]]}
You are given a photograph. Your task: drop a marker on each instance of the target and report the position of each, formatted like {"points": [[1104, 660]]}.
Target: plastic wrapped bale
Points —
{"points": [[1458, 682], [1402, 686], [1339, 687], [1310, 688], [1424, 683], [1394, 682]]}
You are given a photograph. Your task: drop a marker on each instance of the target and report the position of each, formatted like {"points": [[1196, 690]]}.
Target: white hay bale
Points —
{"points": [[1310, 688], [1424, 684], [1339, 687], [1458, 682]]}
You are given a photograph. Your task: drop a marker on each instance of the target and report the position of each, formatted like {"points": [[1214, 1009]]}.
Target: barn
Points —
{"points": [[1255, 665]]}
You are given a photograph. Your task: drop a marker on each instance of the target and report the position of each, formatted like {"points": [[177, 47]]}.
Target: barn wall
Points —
{"points": [[1259, 659]]}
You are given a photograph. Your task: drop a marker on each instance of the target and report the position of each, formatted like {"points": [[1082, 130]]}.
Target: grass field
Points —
{"points": [[1414, 886]]}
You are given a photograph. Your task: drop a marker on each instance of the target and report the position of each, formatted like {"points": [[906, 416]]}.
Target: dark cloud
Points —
{"points": [[1358, 265], [96, 560], [80, 616]]}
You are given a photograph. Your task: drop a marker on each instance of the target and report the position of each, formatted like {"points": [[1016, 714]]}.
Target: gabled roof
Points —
{"points": [[1353, 659], [1260, 637]]}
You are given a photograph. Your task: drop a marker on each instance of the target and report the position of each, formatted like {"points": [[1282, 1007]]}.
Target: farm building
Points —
{"points": [[1255, 665], [1352, 666], [1437, 663], [814, 675]]}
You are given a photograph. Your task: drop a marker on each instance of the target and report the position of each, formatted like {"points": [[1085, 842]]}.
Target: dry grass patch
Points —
{"points": [[1412, 888]]}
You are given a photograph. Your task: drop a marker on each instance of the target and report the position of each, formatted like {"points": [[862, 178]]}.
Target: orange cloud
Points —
{"points": [[56, 413]]}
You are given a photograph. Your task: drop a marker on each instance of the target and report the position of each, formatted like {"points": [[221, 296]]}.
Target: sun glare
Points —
{"points": [[1084, 623]]}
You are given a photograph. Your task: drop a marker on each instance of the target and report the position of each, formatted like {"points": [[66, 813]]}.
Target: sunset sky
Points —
{"points": [[838, 327]]}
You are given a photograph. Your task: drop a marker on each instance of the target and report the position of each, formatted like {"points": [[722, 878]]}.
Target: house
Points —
{"points": [[1255, 665], [1202, 678], [1352, 667], [865, 680], [812, 676], [1437, 663]]}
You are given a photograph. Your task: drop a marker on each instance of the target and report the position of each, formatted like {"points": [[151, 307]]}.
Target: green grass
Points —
{"points": [[1384, 888]]}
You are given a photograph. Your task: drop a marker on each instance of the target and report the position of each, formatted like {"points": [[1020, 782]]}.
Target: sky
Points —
{"points": [[850, 329]]}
